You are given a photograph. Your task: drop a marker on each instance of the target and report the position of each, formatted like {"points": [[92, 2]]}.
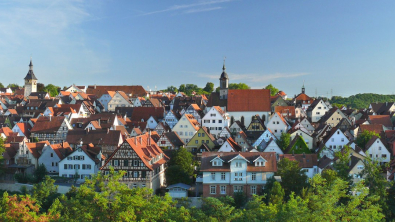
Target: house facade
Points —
{"points": [[215, 120], [186, 127], [143, 161], [225, 173]]}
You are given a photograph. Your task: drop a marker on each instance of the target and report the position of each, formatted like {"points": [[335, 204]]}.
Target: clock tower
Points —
{"points": [[30, 81]]}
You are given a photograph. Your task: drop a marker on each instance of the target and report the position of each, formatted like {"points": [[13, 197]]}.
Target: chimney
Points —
{"points": [[50, 118], [95, 86], [87, 130], [149, 138], [141, 142], [108, 130], [98, 121]]}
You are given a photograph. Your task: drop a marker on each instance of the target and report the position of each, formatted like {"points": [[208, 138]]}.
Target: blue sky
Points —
{"points": [[346, 46]]}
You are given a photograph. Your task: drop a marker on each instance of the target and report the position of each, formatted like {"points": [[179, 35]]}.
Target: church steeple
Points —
{"points": [[223, 83], [30, 81], [303, 89]]}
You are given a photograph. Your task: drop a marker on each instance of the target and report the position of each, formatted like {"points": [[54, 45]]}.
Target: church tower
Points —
{"points": [[30, 81], [303, 89], [223, 84]]}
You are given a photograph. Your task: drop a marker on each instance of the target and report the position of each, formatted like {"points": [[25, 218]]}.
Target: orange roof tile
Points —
{"points": [[249, 100]]}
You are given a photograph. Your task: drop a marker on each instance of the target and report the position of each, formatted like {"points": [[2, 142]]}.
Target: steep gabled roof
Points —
{"points": [[385, 120], [48, 124], [249, 100], [145, 113], [62, 149], [377, 128], [36, 148]]}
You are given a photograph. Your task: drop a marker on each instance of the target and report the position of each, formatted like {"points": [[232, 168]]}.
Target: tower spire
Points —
{"points": [[223, 67], [31, 64], [303, 89]]}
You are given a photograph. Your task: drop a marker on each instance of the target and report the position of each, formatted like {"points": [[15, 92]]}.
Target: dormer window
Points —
{"points": [[238, 164]]}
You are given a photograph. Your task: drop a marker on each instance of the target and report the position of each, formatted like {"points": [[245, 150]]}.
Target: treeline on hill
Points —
{"points": [[50, 88], [328, 196], [361, 101], [207, 90]]}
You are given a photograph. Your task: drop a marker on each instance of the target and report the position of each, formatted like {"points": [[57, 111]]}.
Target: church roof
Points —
{"points": [[30, 74]]}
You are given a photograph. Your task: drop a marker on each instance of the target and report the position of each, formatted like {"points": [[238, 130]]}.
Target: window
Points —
{"points": [[115, 162], [199, 134], [65, 166], [190, 133], [384, 155], [274, 122], [213, 120], [83, 166], [238, 176], [213, 190], [219, 121], [223, 176], [207, 141], [206, 121], [318, 113], [342, 139], [238, 164], [212, 176], [125, 163], [253, 189], [51, 154], [203, 134], [181, 133], [135, 174], [238, 188], [333, 139], [379, 147], [135, 163], [223, 190], [360, 167], [253, 176], [196, 141]]}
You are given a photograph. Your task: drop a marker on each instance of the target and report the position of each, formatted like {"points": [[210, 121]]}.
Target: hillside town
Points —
{"points": [[236, 136]]}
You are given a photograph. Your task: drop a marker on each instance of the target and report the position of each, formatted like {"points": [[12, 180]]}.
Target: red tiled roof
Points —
{"points": [[304, 160], [136, 91], [285, 110], [385, 120], [48, 124], [144, 113], [249, 100], [195, 124], [62, 149], [6, 131], [36, 148], [377, 128]]}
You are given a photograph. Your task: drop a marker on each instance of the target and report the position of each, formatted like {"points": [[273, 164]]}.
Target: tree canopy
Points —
{"points": [[284, 141], [273, 90], [293, 179], [364, 138], [363, 100]]}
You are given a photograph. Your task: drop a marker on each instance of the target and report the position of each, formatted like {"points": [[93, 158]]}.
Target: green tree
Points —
{"points": [[209, 87], [276, 194], [40, 87], [213, 208], [45, 193], [1, 85], [241, 199], [364, 138], [184, 159], [171, 89], [176, 174], [181, 88], [293, 179], [40, 173], [2, 150], [13, 85], [341, 165], [390, 216], [284, 141], [238, 86], [52, 90], [273, 90], [375, 181], [329, 175]]}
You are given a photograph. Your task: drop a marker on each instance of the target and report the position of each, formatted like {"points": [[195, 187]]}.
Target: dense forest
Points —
{"points": [[361, 101]]}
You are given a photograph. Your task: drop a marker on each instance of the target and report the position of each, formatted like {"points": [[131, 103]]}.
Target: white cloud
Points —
{"points": [[191, 8]]}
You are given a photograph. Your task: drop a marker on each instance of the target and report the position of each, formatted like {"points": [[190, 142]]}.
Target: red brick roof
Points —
{"points": [[285, 110], [377, 128], [136, 91], [48, 124], [249, 100], [6, 131], [36, 148], [62, 149], [144, 113], [304, 160], [385, 120]]}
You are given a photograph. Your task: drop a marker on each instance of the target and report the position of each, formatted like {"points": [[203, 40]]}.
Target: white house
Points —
{"points": [[264, 139], [52, 154], [306, 137], [335, 141], [230, 146], [316, 110], [272, 147], [82, 162], [225, 173], [277, 124], [119, 99], [105, 99], [215, 120], [171, 118], [377, 150]]}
